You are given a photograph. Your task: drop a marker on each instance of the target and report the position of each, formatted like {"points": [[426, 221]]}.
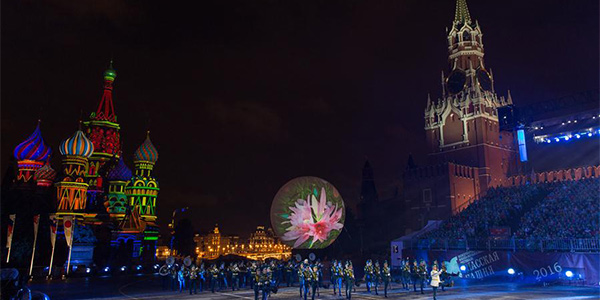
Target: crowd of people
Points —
{"points": [[265, 278], [497, 208], [566, 209], [570, 211]]}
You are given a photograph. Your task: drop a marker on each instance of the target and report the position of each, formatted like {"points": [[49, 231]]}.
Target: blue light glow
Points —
{"points": [[522, 145], [106, 269], [463, 268], [511, 271], [123, 268]]}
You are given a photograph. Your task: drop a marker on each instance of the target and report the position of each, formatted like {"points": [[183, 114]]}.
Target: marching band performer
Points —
{"points": [[422, 274], [194, 279], [406, 274], [235, 277], [289, 269], [376, 276], [334, 275], [214, 277], [369, 272], [414, 274], [314, 280], [386, 275], [307, 275], [349, 278]]}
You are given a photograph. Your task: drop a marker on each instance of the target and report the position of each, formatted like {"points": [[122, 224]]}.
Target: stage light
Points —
{"points": [[139, 267], [590, 134], [88, 270], [569, 274], [74, 268], [123, 268], [106, 269], [463, 268], [566, 138], [156, 267], [548, 141], [577, 136], [511, 271], [556, 139]]}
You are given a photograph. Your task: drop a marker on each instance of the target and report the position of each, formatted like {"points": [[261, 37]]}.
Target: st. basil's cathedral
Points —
{"points": [[113, 208]]}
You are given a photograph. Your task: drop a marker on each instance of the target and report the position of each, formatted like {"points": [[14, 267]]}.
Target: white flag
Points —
{"points": [[11, 227], [36, 224], [68, 227], [53, 229]]}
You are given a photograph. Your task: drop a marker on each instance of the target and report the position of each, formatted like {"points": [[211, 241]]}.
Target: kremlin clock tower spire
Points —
{"points": [[462, 125]]}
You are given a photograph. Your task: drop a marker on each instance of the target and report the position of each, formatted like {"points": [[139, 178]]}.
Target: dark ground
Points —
{"points": [[149, 287]]}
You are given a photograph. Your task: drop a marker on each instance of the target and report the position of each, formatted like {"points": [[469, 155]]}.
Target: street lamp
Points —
{"points": [[172, 225]]}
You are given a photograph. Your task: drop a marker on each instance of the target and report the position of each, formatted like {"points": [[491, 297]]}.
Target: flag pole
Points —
{"points": [[32, 254], [69, 259], [51, 260]]}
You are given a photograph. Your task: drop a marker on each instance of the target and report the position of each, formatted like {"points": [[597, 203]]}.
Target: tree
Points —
{"points": [[184, 237]]}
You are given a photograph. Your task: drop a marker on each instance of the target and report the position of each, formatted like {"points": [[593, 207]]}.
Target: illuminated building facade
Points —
{"points": [[468, 151], [95, 185], [262, 244]]}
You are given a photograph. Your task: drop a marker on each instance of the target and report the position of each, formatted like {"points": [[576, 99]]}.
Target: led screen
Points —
{"points": [[308, 213]]}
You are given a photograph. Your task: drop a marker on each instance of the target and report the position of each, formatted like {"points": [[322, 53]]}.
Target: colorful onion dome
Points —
{"points": [[45, 173], [33, 148], [120, 172], [110, 74], [147, 151], [77, 145]]}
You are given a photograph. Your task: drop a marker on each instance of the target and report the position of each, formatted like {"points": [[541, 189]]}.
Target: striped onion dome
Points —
{"points": [[77, 145], [33, 148], [119, 172], [45, 173], [147, 151]]}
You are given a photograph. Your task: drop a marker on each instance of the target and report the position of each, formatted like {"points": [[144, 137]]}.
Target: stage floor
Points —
{"points": [[150, 288]]}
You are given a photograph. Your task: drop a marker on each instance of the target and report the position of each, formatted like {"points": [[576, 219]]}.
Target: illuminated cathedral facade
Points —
{"points": [[114, 208]]}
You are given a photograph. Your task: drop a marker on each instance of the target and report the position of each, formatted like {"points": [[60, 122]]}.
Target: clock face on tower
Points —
{"points": [[484, 79], [456, 81]]}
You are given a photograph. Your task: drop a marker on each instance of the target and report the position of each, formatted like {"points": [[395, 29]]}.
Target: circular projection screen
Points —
{"points": [[308, 213]]}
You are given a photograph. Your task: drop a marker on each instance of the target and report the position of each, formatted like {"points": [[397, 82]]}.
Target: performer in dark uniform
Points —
{"points": [[422, 274], [289, 269], [307, 275], [369, 272], [406, 274], [222, 277], [194, 279], [376, 276], [314, 280], [252, 278], [334, 275], [267, 278], [386, 276], [214, 277], [257, 282], [235, 277], [319, 266], [414, 274], [202, 277], [174, 280], [339, 271], [349, 278]]}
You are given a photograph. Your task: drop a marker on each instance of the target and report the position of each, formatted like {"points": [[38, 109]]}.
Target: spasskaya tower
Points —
{"points": [[462, 125]]}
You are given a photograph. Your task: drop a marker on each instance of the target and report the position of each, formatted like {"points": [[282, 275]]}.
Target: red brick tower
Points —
{"points": [[462, 125]]}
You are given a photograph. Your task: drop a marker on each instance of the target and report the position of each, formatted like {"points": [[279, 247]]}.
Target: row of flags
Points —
{"points": [[68, 223]]}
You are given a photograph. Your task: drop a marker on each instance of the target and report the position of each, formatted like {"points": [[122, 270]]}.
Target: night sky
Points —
{"points": [[242, 96]]}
